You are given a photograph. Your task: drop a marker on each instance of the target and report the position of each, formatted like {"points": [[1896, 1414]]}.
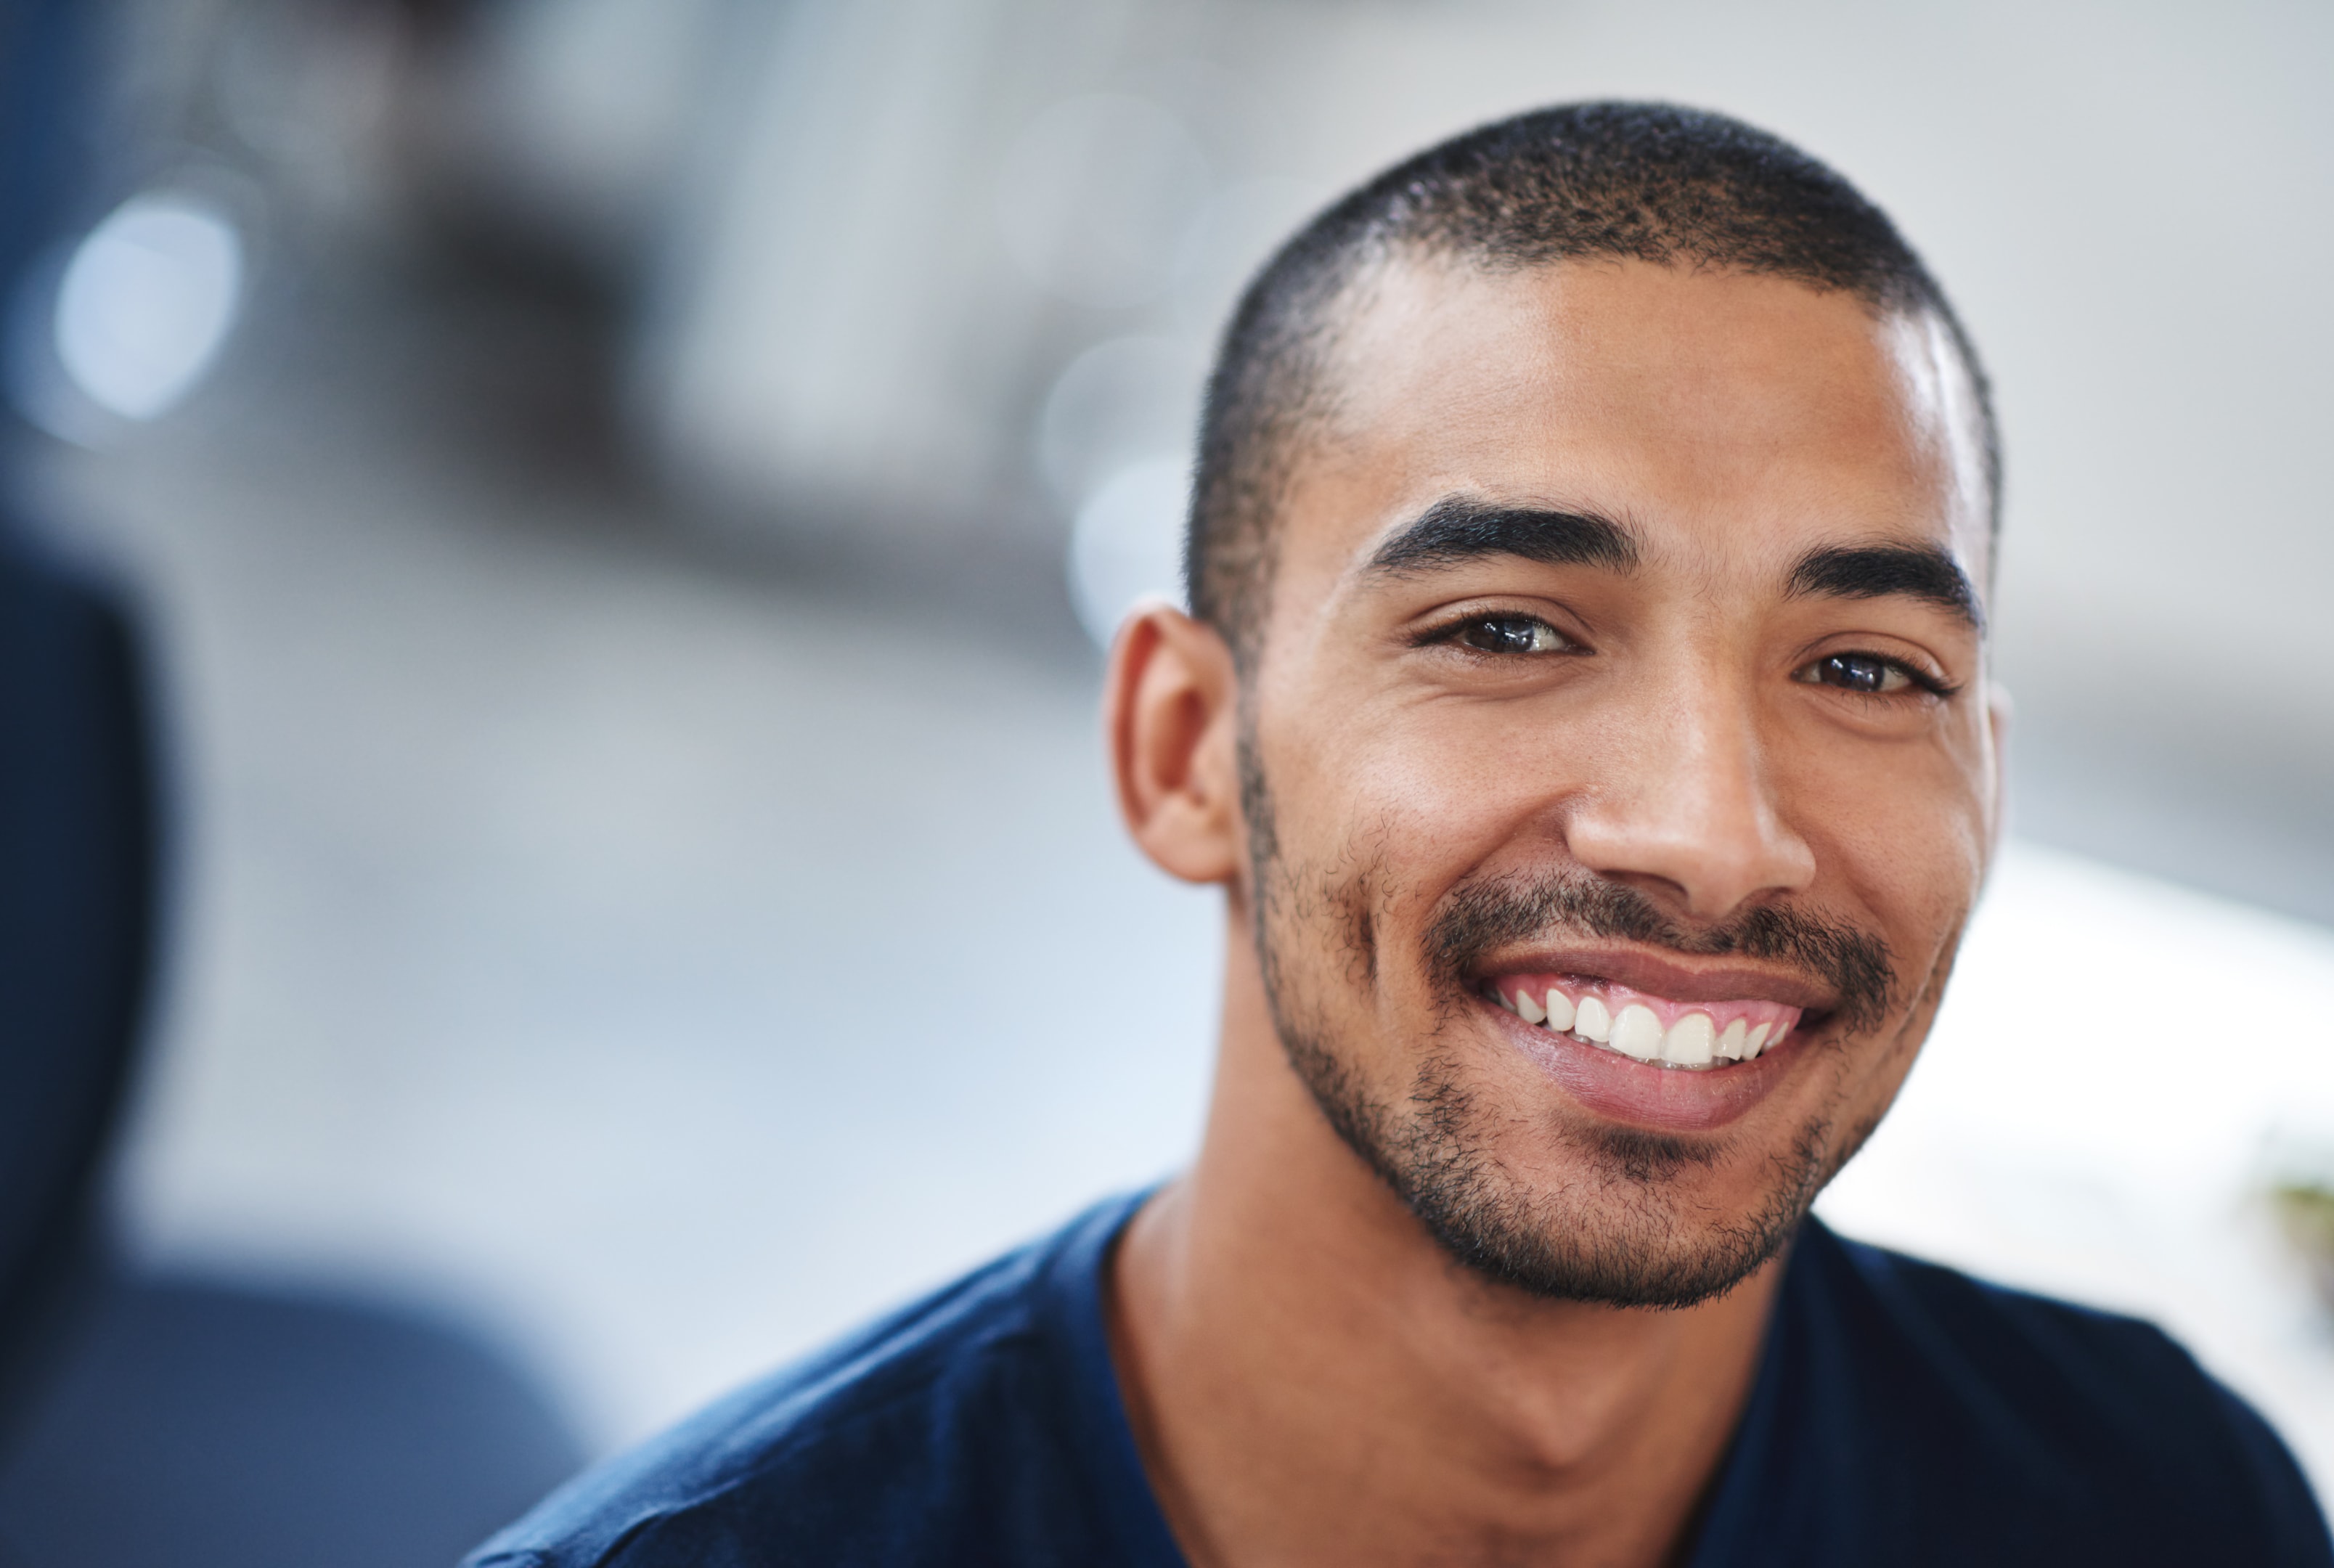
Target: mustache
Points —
{"points": [[1479, 917]]}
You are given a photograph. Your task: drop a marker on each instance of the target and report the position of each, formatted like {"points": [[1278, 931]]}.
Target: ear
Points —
{"points": [[1170, 711]]}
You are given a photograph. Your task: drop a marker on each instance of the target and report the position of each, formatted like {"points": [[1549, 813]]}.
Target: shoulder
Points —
{"points": [[2016, 1360], [883, 1448], [2049, 1417]]}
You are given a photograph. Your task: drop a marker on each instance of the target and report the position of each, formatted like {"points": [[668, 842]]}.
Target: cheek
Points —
{"points": [[1426, 795], [1905, 839], [1376, 817]]}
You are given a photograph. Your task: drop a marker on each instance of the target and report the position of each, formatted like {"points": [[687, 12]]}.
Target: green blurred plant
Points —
{"points": [[2306, 1210]]}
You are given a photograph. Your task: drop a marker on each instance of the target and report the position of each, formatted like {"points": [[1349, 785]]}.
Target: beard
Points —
{"points": [[1619, 1230]]}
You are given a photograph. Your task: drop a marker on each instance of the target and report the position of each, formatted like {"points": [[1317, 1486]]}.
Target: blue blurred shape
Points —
{"points": [[206, 1425]]}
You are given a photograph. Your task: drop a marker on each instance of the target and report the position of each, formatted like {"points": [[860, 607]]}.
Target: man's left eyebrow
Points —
{"points": [[1922, 571]]}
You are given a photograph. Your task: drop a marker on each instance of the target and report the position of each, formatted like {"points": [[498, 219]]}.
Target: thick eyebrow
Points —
{"points": [[1463, 528], [1922, 571]]}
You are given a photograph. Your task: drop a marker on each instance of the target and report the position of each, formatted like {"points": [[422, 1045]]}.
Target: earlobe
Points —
{"points": [[1170, 711]]}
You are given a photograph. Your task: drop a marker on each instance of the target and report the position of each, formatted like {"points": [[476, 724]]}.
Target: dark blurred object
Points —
{"points": [[77, 819], [152, 1420], [162, 1421], [159, 1421], [77, 842]]}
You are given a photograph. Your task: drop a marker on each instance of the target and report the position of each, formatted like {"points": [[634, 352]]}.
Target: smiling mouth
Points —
{"points": [[1692, 1036]]}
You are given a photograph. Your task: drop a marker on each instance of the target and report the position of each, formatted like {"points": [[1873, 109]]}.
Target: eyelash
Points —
{"points": [[1929, 684], [1450, 632]]}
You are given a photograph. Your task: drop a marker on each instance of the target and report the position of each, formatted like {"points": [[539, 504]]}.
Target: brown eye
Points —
{"points": [[1510, 634], [1859, 672]]}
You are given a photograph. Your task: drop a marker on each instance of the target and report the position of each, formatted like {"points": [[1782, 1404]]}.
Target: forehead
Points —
{"points": [[1732, 419]]}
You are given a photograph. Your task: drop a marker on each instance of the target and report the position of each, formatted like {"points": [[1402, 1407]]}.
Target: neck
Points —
{"points": [[1312, 1379]]}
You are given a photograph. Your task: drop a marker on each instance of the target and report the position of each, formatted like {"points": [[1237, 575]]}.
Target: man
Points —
{"points": [[1584, 708]]}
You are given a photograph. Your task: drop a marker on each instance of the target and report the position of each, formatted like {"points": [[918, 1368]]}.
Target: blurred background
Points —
{"points": [[622, 498]]}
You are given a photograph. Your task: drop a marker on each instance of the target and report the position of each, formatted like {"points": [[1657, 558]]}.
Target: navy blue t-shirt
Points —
{"points": [[1903, 1414]]}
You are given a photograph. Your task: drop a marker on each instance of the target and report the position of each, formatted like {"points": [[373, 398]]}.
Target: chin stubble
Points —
{"points": [[1617, 1233]]}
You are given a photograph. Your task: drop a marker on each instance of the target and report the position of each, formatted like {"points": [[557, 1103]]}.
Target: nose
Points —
{"points": [[1683, 804]]}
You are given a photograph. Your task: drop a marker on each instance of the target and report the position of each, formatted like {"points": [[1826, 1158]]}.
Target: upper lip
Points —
{"points": [[1674, 978]]}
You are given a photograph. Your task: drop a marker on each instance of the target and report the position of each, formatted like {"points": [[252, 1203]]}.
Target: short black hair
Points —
{"points": [[1649, 182]]}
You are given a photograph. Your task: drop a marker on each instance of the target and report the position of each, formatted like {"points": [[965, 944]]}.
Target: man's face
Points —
{"points": [[1619, 649]]}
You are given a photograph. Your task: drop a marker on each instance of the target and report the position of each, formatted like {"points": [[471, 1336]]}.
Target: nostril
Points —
{"points": [[1697, 876]]}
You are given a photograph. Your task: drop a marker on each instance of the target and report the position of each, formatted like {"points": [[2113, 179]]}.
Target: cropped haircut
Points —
{"points": [[1613, 181]]}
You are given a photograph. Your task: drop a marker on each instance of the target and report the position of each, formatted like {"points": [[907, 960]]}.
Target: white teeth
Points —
{"points": [[1637, 1032], [1560, 1009], [1691, 1041]]}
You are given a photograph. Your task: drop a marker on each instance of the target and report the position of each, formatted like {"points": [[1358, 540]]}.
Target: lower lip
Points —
{"points": [[1621, 1089]]}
